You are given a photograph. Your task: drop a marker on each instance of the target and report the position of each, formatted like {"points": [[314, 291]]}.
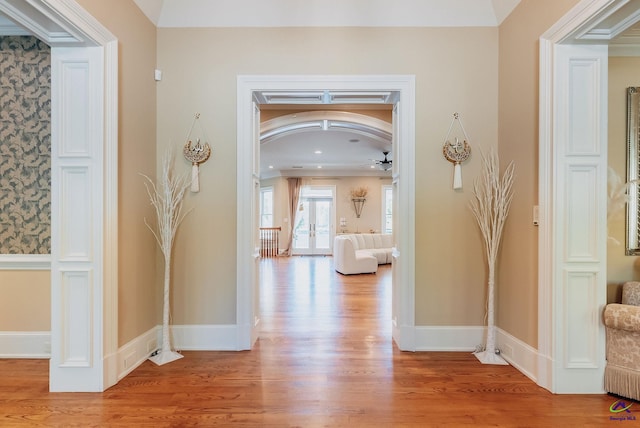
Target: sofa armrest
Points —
{"points": [[622, 317]]}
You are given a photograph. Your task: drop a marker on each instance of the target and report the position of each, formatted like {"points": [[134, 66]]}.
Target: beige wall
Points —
{"points": [[456, 71], [517, 298], [139, 289], [623, 72], [25, 303]]}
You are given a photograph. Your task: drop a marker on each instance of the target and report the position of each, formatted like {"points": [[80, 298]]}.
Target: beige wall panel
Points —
{"points": [[139, 291], [517, 297], [25, 304], [456, 71]]}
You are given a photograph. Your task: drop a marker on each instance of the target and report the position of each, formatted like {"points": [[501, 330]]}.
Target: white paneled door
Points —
{"points": [[312, 232]]}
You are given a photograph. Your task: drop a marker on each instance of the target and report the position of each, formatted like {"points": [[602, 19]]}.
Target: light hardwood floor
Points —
{"points": [[324, 358]]}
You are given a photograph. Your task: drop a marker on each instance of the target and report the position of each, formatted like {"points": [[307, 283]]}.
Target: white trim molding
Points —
{"points": [[25, 262], [449, 338], [519, 354], [185, 337], [135, 352], [467, 338], [204, 337], [25, 344], [403, 178]]}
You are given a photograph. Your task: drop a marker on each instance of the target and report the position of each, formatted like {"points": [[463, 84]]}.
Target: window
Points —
{"points": [[387, 209], [266, 207]]}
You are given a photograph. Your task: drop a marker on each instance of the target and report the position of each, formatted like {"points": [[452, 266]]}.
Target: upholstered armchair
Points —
{"points": [[622, 322]]}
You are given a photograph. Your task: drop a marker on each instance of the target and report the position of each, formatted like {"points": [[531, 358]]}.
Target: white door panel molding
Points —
{"points": [[573, 189]]}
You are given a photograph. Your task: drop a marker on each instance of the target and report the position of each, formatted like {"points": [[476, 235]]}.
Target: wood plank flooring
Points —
{"points": [[325, 359]]}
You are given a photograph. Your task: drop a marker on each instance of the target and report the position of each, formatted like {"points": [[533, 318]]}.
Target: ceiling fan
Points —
{"points": [[385, 164]]}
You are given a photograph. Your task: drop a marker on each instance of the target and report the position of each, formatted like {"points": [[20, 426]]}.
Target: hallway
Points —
{"points": [[324, 358]]}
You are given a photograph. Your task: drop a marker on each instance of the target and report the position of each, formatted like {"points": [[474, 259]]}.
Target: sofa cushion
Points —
{"points": [[631, 293], [379, 253]]}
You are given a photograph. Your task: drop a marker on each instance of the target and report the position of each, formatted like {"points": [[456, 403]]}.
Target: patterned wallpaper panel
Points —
{"points": [[25, 146]]}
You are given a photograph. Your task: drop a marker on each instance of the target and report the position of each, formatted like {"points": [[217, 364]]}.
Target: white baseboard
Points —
{"points": [[37, 344], [184, 337], [134, 353], [519, 354], [205, 337], [25, 344], [448, 338]]}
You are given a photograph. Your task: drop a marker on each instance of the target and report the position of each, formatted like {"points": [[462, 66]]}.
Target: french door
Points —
{"points": [[312, 233]]}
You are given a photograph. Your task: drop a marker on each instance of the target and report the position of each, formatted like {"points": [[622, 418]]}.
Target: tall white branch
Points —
{"points": [[490, 207], [617, 196], [166, 197]]}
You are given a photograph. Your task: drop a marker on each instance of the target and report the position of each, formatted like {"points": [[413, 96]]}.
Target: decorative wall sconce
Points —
{"points": [[456, 152], [358, 197], [196, 155], [358, 203]]}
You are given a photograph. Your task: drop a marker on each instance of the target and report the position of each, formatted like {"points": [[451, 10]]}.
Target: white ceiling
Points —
{"points": [[327, 13]]}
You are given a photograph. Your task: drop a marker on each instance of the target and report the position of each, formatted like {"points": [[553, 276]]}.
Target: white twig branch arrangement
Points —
{"points": [[166, 198], [490, 207], [617, 196]]}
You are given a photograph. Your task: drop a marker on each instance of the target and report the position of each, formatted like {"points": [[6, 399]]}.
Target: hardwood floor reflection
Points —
{"points": [[325, 358]]}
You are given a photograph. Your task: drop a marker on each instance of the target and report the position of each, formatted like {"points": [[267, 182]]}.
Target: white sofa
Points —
{"points": [[361, 253]]}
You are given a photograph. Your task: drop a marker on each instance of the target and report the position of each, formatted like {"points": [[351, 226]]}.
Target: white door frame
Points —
{"points": [[573, 159], [403, 176], [81, 360]]}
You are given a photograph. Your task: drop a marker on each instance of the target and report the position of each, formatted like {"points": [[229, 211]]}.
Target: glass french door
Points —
{"points": [[312, 234]]}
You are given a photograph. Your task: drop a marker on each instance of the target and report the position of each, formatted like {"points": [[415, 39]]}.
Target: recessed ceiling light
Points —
{"points": [[270, 166], [372, 167], [318, 152], [319, 166]]}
